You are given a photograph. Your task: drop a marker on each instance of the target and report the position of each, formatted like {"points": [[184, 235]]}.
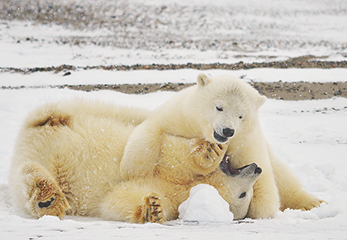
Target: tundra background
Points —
{"points": [[288, 49]]}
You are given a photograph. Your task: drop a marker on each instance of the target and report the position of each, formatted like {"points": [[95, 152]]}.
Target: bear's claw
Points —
{"points": [[151, 210], [154, 210]]}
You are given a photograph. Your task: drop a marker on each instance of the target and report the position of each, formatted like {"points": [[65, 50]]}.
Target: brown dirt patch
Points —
{"points": [[275, 90]]}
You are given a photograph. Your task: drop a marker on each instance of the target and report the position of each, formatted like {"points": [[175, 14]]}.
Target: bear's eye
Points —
{"points": [[240, 117], [242, 195], [220, 109]]}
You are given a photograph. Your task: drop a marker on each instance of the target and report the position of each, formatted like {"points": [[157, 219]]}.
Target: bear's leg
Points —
{"points": [[39, 192], [133, 202], [291, 192], [145, 139], [265, 201]]}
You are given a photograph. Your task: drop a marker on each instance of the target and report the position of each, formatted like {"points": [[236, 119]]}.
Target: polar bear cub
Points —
{"points": [[223, 111], [67, 161]]}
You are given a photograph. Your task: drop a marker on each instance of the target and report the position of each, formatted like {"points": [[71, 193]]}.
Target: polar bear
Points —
{"points": [[221, 110], [67, 161]]}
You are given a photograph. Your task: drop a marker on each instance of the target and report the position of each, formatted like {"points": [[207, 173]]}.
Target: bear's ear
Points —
{"points": [[203, 80], [261, 100]]}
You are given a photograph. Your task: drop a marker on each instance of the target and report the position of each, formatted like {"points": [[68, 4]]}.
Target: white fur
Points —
{"points": [[67, 161], [196, 113]]}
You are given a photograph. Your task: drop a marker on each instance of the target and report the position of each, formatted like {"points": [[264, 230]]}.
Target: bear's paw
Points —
{"points": [[150, 210], [48, 199], [208, 155], [302, 200]]}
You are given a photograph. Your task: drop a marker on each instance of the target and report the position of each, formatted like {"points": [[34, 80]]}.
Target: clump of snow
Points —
{"points": [[49, 220], [205, 205]]}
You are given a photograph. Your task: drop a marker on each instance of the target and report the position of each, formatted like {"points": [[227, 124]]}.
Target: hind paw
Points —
{"points": [[48, 199], [150, 211], [314, 203]]}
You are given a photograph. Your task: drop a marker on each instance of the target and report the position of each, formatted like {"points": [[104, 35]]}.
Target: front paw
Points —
{"points": [[48, 199], [208, 154]]}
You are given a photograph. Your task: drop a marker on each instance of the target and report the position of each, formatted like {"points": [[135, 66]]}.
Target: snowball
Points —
{"points": [[205, 205]]}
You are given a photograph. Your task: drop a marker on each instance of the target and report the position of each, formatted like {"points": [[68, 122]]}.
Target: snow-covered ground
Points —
{"points": [[177, 31], [310, 136]]}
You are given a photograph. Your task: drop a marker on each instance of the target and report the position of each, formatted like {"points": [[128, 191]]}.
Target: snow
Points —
{"points": [[310, 136], [262, 31], [204, 204]]}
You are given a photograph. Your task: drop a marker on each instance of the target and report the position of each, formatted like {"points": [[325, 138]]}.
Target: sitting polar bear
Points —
{"points": [[221, 110], [67, 161]]}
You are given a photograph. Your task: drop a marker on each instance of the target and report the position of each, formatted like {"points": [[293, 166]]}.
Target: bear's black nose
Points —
{"points": [[258, 170], [228, 132]]}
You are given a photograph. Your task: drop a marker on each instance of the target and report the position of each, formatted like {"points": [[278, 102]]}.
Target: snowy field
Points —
{"points": [[175, 31], [310, 136]]}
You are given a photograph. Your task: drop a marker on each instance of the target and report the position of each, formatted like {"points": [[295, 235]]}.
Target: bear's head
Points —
{"points": [[240, 184], [223, 106]]}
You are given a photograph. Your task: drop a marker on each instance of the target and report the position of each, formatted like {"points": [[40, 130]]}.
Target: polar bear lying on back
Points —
{"points": [[67, 161], [222, 110]]}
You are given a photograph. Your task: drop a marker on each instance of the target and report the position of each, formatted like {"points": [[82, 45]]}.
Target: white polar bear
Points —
{"points": [[221, 110], [67, 161]]}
